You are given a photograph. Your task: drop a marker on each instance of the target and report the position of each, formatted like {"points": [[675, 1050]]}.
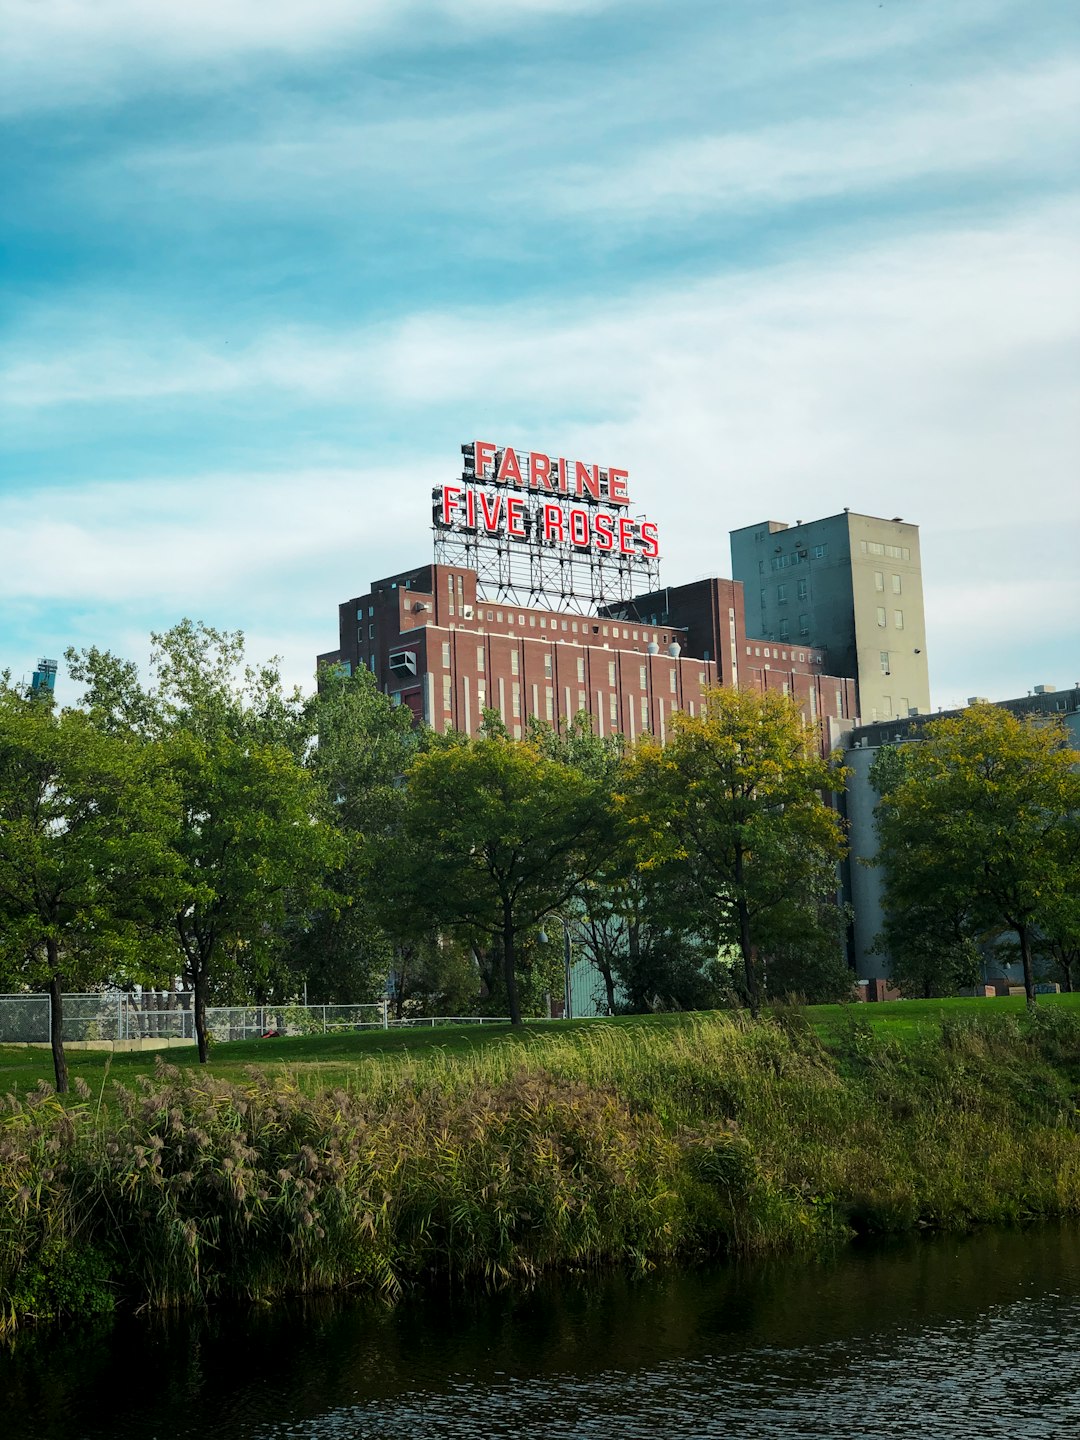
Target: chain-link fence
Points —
{"points": [[25, 1018], [170, 1015]]}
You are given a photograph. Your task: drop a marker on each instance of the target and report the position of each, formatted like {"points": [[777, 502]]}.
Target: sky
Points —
{"points": [[268, 263]]}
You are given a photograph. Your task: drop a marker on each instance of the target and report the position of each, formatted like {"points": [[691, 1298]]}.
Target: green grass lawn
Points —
{"points": [[335, 1059]]}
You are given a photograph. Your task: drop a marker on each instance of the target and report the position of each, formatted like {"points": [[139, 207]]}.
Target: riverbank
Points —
{"points": [[628, 1143]]}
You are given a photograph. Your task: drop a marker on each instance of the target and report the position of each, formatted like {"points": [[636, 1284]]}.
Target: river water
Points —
{"points": [[942, 1338]]}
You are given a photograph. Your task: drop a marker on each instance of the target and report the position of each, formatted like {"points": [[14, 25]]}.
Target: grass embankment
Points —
{"points": [[587, 1145]]}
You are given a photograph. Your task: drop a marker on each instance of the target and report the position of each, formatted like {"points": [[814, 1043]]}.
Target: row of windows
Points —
{"points": [[798, 557], [897, 583], [802, 590], [785, 626], [882, 620], [574, 627], [775, 652], [894, 552], [515, 664], [549, 702], [902, 707]]}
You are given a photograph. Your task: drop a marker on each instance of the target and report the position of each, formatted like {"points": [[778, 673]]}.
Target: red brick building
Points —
{"points": [[434, 646]]}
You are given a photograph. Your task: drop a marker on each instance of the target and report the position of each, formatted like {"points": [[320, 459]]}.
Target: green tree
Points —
{"points": [[495, 837], [734, 805], [977, 821], [252, 843], [86, 825]]}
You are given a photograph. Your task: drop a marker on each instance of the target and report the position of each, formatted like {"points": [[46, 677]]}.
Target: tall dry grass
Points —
{"points": [[613, 1144]]}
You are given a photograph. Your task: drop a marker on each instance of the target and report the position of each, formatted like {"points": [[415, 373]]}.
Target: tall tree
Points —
{"points": [[979, 816], [86, 825], [252, 844], [496, 838], [734, 805]]}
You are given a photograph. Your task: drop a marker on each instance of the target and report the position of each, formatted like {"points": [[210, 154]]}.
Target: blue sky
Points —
{"points": [[269, 262]]}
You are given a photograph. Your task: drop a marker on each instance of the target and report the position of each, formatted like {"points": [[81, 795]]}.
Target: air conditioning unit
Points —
{"points": [[402, 662]]}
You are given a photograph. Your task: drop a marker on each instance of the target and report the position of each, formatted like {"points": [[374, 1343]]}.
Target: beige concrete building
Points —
{"points": [[851, 586]]}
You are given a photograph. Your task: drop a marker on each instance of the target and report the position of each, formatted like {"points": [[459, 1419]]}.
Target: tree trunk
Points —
{"points": [[609, 986], [753, 998], [509, 966], [56, 1021], [200, 987], [1024, 937]]}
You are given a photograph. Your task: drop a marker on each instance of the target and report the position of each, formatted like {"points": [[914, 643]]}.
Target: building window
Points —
{"points": [[761, 567], [611, 672], [898, 619], [580, 669], [481, 695], [490, 616], [881, 617], [802, 589], [614, 632], [781, 594], [673, 680], [446, 692], [532, 622], [839, 703], [635, 635], [450, 588], [644, 713], [549, 704], [804, 628], [784, 628], [513, 662], [573, 627], [897, 586], [581, 699], [879, 580], [371, 632], [480, 659], [547, 666], [641, 676], [765, 652], [613, 709], [886, 704], [565, 626], [883, 656], [904, 707], [820, 551], [446, 654], [515, 701]]}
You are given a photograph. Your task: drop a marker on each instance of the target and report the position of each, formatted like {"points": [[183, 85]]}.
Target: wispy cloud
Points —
{"points": [[986, 122], [104, 49]]}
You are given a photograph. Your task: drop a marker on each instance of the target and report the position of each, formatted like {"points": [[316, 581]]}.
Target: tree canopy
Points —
{"points": [[734, 806], [977, 829]]}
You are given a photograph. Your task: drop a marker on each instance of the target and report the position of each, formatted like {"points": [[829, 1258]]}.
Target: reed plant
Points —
{"points": [[616, 1144]]}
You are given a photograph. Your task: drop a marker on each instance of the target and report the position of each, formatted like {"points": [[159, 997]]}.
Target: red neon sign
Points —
{"points": [[486, 502]]}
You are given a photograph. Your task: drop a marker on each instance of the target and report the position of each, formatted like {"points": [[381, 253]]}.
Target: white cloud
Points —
{"points": [[933, 377], [60, 52], [987, 122]]}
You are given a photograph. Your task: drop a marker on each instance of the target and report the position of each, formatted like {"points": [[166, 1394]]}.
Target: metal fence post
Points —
{"points": [[385, 1015]]}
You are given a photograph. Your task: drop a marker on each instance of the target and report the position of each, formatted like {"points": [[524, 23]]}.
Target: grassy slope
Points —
{"points": [[316, 1060], [381, 1159]]}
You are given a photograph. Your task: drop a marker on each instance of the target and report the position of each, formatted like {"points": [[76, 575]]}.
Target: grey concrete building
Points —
{"points": [[851, 586]]}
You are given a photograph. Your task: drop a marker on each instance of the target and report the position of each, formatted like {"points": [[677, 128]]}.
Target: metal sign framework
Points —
{"points": [[560, 575]]}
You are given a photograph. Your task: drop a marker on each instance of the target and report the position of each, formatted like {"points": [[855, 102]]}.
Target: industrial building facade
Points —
{"points": [[851, 586], [435, 645]]}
